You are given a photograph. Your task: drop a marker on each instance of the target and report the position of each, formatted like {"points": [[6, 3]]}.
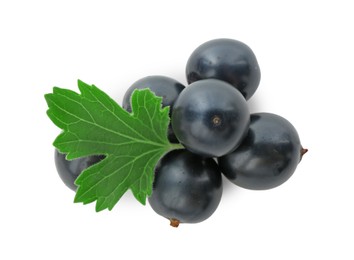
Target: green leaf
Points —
{"points": [[94, 124]]}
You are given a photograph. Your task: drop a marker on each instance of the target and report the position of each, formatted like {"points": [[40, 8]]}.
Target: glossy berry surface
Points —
{"points": [[162, 86], [267, 157], [187, 188], [210, 118], [228, 60], [70, 170]]}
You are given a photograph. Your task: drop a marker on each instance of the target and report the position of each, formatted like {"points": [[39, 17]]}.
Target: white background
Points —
{"points": [[305, 52]]}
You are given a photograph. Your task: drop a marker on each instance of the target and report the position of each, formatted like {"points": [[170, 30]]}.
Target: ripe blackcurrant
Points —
{"points": [[187, 188], [267, 157], [210, 118], [228, 60], [70, 170]]}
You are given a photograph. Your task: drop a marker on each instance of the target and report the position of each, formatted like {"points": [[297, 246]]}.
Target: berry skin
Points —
{"points": [[267, 157], [210, 118], [187, 188], [70, 170], [228, 60], [162, 86]]}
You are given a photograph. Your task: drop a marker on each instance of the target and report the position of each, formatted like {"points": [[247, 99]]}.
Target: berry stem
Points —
{"points": [[302, 152], [174, 222]]}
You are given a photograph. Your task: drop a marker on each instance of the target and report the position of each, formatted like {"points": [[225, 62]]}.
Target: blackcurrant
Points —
{"points": [[267, 157], [228, 60], [162, 86], [70, 170], [187, 188], [210, 118]]}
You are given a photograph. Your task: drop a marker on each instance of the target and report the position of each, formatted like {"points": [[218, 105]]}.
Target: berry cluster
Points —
{"points": [[211, 119]]}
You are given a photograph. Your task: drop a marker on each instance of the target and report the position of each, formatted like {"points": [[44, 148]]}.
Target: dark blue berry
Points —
{"points": [[70, 170], [228, 60], [210, 118], [187, 188], [267, 157]]}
